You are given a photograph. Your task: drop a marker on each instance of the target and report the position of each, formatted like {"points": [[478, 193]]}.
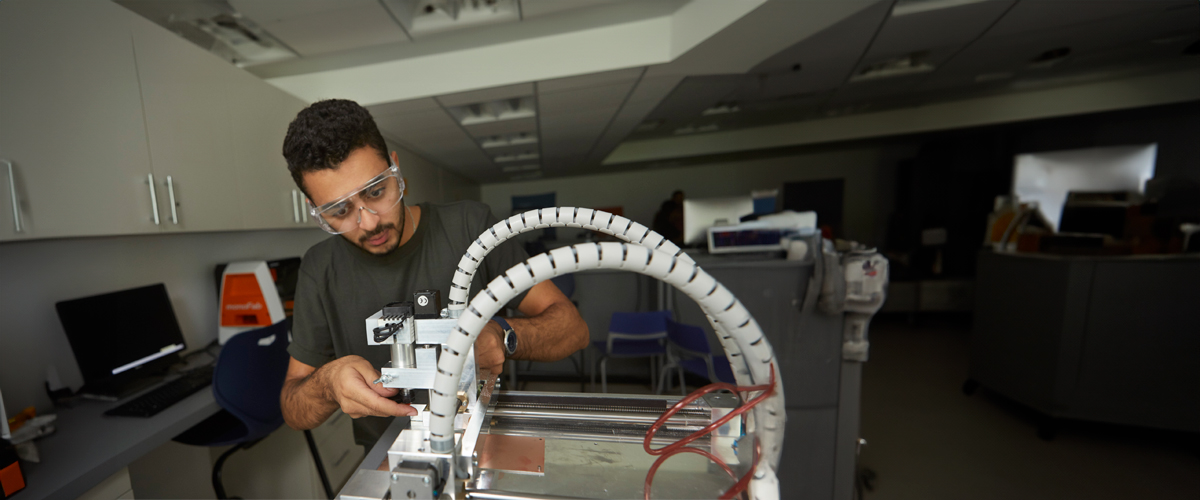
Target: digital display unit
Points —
{"points": [[119, 336]]}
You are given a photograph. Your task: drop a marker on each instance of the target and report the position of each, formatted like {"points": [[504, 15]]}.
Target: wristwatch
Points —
{"points": [[509, 336]]}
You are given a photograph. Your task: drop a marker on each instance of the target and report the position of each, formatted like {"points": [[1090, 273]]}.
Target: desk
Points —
{"points": [[1107, 339], [88, 447]]}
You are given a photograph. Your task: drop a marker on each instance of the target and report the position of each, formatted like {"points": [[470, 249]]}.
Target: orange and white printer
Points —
{"points": [[249, 299]]}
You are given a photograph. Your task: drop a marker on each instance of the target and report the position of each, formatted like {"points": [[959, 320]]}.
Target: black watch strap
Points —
{"points": [[508, 338]]}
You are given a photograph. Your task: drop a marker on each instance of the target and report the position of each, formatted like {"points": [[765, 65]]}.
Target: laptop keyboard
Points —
{"points": [[157, 400]]}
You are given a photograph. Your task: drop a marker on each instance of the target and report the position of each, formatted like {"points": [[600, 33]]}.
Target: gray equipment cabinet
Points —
{"points": [[821, 391], [1108, 339]]}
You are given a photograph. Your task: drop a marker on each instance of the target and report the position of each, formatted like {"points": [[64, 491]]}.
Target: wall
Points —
{"points": [[427, 182], [866, 170]]}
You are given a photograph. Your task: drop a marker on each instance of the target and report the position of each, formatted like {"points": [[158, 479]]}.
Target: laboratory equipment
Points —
{"points": [[701, 214], [249, 299], [473, 440]]}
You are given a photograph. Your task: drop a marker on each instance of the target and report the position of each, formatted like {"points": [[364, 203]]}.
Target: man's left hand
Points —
{"points": [[489, 348]]}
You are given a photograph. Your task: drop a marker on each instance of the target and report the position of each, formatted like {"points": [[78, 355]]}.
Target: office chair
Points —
{"points": [[632, 335], [688, 350], [247, 380]]}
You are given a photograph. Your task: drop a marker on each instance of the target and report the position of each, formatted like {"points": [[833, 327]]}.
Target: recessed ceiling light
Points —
{"points": [[648, 126], [520, 168], [494, 111], [721, 108], [528, 155], [898, 66], [1050, 58]]}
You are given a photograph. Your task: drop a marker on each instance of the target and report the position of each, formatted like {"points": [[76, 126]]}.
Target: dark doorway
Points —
{"points": [[823, 197]]}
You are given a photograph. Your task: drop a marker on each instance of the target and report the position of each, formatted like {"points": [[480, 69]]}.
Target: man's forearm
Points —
{"points": [[305, 401], [554, 334]]}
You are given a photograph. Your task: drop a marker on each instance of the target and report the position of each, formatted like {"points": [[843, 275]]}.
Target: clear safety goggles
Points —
{"points": [[378, 195]]}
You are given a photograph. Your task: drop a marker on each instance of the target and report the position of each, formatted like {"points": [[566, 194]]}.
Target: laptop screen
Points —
{"points": [[119, 332]]}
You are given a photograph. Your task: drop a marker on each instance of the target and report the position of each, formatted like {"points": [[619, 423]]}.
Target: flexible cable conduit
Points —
{"points": [[585, 218], [682, 273]]}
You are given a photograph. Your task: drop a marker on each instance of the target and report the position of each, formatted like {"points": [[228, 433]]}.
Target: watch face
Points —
{"points": [[510, 341]]}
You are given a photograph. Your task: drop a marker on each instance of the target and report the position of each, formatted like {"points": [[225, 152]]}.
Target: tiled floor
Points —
{"points": [[926, 440]]}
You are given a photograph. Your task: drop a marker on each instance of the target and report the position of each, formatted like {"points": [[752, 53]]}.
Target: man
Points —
{"points": [[384, 250]]}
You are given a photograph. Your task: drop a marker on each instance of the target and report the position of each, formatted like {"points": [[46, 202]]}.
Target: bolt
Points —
{"points": [[426, 479], [395, 477], [412, 494]]}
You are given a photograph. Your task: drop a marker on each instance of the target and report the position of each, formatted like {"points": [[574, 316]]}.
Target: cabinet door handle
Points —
{"points": [[153, 199], [171, 198], [295, 208], [12, 191]]}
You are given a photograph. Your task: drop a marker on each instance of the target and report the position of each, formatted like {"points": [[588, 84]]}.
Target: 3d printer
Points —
{"points": [[474, 441]]}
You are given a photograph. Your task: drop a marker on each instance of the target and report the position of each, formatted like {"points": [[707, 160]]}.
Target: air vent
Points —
{"points": [[427, 17]]}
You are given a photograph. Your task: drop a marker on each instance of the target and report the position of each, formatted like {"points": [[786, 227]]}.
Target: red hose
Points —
{"points": [[767, 390], [698, 451], [681, 445]]}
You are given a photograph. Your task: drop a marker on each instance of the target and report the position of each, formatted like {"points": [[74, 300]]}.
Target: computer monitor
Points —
{"points": [[1047, 178], [703, 213], [120, 336]]}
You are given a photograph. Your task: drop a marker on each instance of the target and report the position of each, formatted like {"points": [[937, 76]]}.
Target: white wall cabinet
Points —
{"points": [[95, 101], [260, 115], [71, 121], [184, 94]]}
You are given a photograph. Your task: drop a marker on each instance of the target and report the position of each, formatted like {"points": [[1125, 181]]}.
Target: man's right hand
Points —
{"points": [[310, 395], [348, 382]]}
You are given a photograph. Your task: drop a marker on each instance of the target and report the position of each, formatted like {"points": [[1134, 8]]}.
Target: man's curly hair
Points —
{"points": [[325, 133]]}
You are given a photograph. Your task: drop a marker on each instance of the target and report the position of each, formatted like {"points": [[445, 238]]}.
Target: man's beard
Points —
{"points": [[362, 240], [400, 234]]}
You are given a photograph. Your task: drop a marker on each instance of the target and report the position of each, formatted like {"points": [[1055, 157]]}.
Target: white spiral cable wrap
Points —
{"points": [[766, 420], [585, 218]]}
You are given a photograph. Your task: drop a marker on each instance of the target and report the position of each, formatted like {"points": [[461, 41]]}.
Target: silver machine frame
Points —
{"points": [[438, 456]]}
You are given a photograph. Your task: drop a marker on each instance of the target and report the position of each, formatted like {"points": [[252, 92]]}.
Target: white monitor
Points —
{"points": [[701, 214], [1047, 177]]}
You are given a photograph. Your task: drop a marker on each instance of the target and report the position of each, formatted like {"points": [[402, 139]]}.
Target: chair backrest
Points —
{"points": [[690, 338], [249, 375], [652, 324]]}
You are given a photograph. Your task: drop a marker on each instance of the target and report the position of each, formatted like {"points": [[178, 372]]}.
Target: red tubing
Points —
{"points": [[681, 445]]}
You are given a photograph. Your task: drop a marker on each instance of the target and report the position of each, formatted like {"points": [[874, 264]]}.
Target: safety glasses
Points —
{"points": [[378, 195]]}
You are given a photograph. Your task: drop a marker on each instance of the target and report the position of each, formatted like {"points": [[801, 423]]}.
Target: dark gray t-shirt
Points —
{"points": [[340, 285]]}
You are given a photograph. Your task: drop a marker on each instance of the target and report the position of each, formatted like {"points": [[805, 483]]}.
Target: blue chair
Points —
{"points": [[688, 350], [632, 335], [247, 380]]}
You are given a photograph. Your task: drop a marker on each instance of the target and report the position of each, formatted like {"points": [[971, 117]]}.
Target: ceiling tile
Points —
{"points": [[607, 97], [321, 27], [398, 107], [949, 27]]}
